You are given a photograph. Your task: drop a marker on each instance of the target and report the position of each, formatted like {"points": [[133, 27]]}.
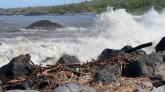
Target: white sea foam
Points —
{"points": [[119, 27], [31, 30], [114, 29], [72, 29]]}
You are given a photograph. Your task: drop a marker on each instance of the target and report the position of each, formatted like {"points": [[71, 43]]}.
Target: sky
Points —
{"points": [[26, 3]]}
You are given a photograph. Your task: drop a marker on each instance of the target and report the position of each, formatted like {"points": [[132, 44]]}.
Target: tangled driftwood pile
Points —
{"points": [[47, 78], [52, 76]]}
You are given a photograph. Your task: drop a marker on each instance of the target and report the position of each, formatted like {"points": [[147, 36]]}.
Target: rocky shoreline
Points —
{"points": [[126, 70]]}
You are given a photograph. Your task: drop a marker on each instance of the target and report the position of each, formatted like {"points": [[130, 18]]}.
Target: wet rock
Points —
{"points": [[146, 65], [16, 68], [147, 84], [67, 59], [107, 53], [22, 91], [73, 88], [126, 48], [140, 90], [159, 89], [117, 53], [161, 45], [109, 74], [158, 83], [44, 25]]}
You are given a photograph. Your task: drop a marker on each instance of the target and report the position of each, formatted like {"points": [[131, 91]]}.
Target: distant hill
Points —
{"points": [[96, 6]]}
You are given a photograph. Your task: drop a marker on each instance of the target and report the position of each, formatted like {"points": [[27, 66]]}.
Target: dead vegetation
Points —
{"points": [[52, 76]]}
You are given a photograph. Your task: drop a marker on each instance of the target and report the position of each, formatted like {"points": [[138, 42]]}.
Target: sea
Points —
{"points": [[84, 35]]}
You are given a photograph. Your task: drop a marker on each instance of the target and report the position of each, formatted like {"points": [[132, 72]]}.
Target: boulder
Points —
{"points": [[108, 53], [73, 88], [67, 59], [159, 89], [161, 45], [17, 67], [126, 48], [44, 25], [146, 65], [108, 74]]}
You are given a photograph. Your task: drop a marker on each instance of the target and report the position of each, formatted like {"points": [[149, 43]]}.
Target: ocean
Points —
{"points": [[85, 35]]}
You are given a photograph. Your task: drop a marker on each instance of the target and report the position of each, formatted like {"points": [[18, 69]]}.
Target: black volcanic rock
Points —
{"points": [[147, 65], [44, 25], [16, 68], [161, 45], [108, 74], [67, 59], [107, 53]]}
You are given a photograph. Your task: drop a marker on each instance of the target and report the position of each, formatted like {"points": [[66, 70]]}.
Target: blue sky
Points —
{"points": [[26, 3]]}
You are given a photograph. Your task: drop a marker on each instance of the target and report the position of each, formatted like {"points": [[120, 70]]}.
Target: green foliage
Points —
{"points": [[97, 6]]}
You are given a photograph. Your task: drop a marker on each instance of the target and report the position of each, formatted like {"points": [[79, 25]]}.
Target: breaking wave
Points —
{"points": [[113, 29]]}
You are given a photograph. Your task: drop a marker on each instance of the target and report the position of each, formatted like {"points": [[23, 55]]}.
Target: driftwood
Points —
{"points": [[60, 74], [139, 47]]}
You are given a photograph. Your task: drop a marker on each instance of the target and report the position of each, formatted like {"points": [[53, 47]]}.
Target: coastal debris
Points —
{"points": [[60, 74], [47, 78]]}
